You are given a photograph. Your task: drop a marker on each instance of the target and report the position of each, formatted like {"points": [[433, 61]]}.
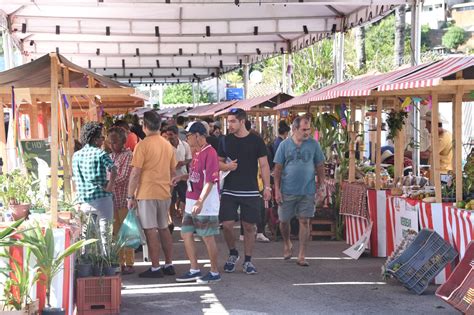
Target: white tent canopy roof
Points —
{"points": [[148, 40]]}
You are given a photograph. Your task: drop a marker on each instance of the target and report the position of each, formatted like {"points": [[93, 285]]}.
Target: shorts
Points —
{"points": [[301, 206], [179, 192], [250, 208], [102, 207], [153, 214], [203, 225]]}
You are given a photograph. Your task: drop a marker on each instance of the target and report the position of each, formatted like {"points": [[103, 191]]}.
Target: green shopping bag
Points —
{"points": [[130, 233]]}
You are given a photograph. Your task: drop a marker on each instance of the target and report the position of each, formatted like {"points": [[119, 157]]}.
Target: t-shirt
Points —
{"points": [[132, 140], [247, 150], [204, 168], [276, 144], [183, 153], [445, 152], [156, 157], [298, 175], [181, 133]]}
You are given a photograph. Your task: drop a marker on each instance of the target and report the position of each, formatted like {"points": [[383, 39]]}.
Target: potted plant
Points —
{"points": [[15, 193], [66, 210], [111, 260], [48, 262]]}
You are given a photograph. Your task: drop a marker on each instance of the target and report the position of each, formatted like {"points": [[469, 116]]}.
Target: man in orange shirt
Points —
{"points": [[132, 138], [154, 164]]}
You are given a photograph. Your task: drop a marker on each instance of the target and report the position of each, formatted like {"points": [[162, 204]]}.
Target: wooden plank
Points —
{"points": [[457, 108], [362, 131], [435, 146], [7, 91], [34, 118], [97, 91], [378, 154], [352, 155], [92, 103], [54, 138], [3, 141], [68, 142], [399, 153]]}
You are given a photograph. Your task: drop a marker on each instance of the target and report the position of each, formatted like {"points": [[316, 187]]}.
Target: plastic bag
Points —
{"points": [[131, 232]]}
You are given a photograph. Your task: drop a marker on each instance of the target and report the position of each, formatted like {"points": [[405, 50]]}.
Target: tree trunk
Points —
{"points": [[360, 47], [399, 35]]}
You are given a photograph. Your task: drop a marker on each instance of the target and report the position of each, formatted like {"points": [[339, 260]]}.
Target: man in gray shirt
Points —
{"points": [[298, 159]]}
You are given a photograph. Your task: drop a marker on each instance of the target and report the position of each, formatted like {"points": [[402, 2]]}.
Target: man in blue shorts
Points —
{"points": [[298, 159]]}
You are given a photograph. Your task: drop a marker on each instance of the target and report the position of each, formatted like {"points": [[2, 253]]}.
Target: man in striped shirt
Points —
{"points": [[240, 153]]}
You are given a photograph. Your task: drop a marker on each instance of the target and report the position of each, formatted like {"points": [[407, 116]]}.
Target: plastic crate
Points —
{"points": [[423, 260], [98, 295], [458, 291]]}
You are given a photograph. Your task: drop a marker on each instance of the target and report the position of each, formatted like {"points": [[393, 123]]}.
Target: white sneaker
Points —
{"points": [[241, 237], [262, 238]]}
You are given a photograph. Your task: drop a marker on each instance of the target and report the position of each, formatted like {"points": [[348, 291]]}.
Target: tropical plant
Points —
{"points": [[112, 245], [48, 262], [18, 282], [454, 37]]}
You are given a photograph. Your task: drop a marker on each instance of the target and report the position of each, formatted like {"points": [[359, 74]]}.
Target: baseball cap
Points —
{"points": [[197, 127]]}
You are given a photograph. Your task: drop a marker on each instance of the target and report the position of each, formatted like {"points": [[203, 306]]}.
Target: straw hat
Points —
{"points": [[441, 118]]}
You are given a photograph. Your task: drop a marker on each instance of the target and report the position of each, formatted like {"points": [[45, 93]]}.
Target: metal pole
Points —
{"points": [[415, 60], [198, 92], [194, 95], [246, 81], [218, 92], [283, 74]]}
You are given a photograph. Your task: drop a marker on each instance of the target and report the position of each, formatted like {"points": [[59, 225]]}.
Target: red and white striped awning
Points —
{"points": [[248, 104], [431, 75], [214, 108], [364, 86], [304, 98]]}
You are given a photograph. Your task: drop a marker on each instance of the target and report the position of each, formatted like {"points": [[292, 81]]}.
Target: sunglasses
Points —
{"points": [[236, 110]]}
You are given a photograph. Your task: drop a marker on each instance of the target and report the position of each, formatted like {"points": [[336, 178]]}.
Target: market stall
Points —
{"points": [[445, 80], [79, 95]]}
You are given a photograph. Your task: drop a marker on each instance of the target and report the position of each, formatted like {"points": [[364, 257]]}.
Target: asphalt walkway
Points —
{"points": [[332, 284]]}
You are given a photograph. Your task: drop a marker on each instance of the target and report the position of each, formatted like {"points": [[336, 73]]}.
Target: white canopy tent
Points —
{"points": [[169, 40]]}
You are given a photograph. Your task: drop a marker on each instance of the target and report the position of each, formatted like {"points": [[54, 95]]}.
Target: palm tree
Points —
{"points": [[360, 47], [399, 35]]}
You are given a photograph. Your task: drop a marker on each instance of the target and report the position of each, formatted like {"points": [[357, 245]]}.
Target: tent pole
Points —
{"points": [[352, 157], [54, 138], [378, 153], [218, 92], [435, 146], [246, 81]]}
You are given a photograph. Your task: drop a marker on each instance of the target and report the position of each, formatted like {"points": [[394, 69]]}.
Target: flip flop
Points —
{"points": [[288, 257], [303, 263]]}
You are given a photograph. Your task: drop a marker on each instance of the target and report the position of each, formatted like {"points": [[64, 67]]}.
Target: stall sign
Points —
{"points": [[34, 150], [406, 218], [234, 94]]}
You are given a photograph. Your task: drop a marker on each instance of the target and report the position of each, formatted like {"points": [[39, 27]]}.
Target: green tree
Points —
{"points": [[454, 37], [183, 94]]}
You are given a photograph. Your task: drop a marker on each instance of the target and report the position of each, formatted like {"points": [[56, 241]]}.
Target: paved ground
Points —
{"points": [[333, 284]]}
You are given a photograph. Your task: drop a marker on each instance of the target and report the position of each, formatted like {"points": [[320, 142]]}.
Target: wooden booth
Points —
{"points": [[58, 97]]}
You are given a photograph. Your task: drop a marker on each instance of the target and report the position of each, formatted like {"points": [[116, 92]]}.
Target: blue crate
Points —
{"points": [[423, 260]]}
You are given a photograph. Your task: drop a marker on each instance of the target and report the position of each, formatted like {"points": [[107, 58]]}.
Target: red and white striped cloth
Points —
{"points": [[363, 86], [354, 227], [62, 287], [430, 75], [460, 227], [377, 202]]}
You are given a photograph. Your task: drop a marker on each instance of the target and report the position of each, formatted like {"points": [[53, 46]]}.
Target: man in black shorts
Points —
{"points": [[241, 153]]}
